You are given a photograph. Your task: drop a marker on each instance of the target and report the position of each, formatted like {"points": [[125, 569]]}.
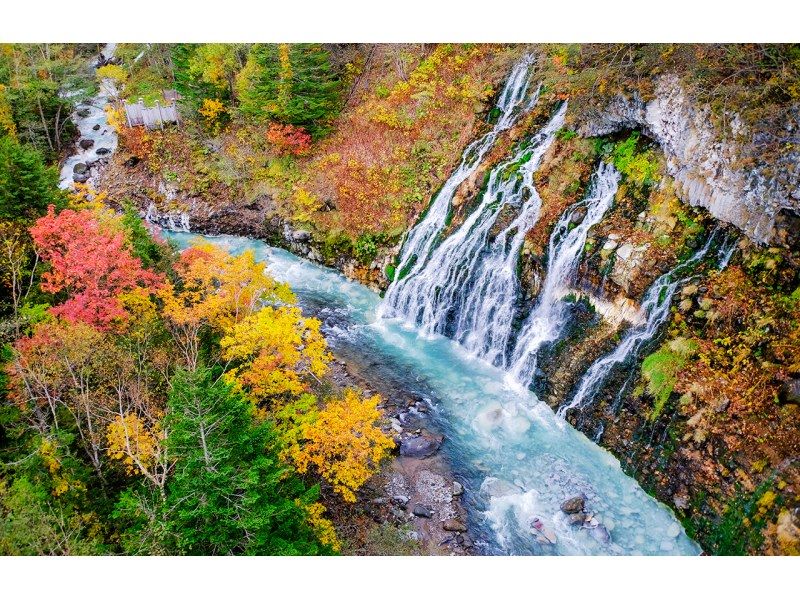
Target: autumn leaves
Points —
{"points": [[124, 345]]}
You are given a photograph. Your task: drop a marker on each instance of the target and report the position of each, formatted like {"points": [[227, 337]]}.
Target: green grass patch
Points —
{"points": [[660, 371]]}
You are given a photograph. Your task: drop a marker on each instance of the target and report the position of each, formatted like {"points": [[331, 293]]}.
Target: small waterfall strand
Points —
{"points": [[655, 309], [548, 319], [422, 237]]}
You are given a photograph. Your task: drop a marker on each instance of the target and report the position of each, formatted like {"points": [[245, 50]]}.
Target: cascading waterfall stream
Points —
{"points": [[547, 320], [512, 104], [515, 459], [92, 122], [463, 278], [485, 319], [655, 309]]}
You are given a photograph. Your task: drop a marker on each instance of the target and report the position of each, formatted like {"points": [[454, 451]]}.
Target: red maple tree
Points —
{"points": [[91, 264]]}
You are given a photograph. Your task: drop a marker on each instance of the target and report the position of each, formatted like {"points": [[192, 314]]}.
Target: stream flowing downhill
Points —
{"points": [[549, 318], [516, 459], [91, 120]]}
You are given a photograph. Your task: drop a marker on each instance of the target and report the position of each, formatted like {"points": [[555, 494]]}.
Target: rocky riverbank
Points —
{"points": [[415, 495]]}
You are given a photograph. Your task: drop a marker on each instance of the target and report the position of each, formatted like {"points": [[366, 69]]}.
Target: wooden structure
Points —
{"points": [[153, 117]]}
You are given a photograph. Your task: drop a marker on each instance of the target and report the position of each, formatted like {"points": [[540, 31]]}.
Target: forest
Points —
{"points": [[163, 399]]}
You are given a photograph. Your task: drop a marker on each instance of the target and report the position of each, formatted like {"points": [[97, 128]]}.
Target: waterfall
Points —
{"points": [[173, 221], [486, 315], [468, 287], [726, 251], [549, 317], [512, 105], [655, 309]]}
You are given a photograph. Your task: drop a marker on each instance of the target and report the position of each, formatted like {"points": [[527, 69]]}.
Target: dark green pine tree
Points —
{"points": [[230, 493], [27, 186], [191, 89], [305, 92]]}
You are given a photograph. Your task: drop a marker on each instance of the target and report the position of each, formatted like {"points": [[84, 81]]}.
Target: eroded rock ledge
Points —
{"points": [[729, 177]]}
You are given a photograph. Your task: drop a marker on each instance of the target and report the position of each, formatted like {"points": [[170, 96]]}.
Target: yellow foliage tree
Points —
{"points": [[132, 443], [343, 443], [212, 111], [275, 350], [112, 71], [321, 525], [7, 125], [216, 290]]}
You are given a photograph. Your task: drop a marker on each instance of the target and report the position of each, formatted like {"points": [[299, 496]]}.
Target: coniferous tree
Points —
{"points": [[292, 84], [230, 493]]}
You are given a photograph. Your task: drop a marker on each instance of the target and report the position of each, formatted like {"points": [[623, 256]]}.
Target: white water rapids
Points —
{"points": [[91, 120], [516, 459]]}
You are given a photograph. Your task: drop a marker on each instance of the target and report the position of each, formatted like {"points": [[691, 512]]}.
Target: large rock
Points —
{"points": [[423, 511], [454, 525], [573, 505], [80, 168], [301, 236], [420, 447], [732, 179], [627, 263], [86, 143], [102, 151], [80, 178]]}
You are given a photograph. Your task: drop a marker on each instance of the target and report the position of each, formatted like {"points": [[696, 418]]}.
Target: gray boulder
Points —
{"points": [[419, 447]]}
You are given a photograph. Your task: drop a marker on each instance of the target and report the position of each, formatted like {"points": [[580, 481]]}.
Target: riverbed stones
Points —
{"points": [[80, 168], [576, 518], [454, 525], [573, 505], [96, 128], [102, 151], [420, 447], [423, 511], [400, 500], [86, 143], [458, 489]]}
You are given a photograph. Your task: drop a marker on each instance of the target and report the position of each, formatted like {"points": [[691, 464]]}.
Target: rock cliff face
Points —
{"points": [[729, 177]]}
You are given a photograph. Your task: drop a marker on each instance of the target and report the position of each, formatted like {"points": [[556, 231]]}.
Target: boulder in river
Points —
{"points": [[80, 178], [80, 168], [419, 447], [102, 151], [96, 128], [578, 216], [573, 505], [86, 143]]}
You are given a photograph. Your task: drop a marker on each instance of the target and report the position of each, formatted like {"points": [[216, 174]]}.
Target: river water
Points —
{"points": [[516, 459]]}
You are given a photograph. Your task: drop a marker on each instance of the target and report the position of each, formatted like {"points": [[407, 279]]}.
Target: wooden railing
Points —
{"points": [[151, 117]]}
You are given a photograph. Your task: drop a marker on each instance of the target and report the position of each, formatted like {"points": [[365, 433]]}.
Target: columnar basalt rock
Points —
{"points": [[727, 176]]}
